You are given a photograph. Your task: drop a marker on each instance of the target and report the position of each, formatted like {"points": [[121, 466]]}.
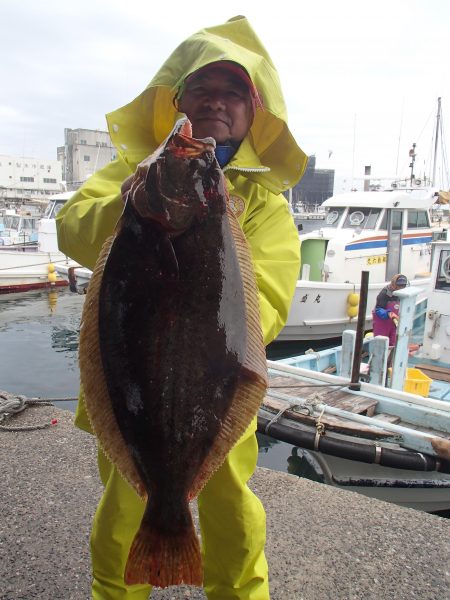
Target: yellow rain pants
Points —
{"points": [[233, 527], [267, 163]]}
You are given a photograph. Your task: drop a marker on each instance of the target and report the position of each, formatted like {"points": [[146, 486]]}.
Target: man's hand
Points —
{"points": [[394, 317]]}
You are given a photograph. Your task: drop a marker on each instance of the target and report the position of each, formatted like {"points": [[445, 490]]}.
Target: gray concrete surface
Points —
{"points": [[322, 544]]}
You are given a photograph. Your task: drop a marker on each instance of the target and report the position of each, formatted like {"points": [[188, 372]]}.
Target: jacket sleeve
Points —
{"points": [[275, 249], [90, 216]]}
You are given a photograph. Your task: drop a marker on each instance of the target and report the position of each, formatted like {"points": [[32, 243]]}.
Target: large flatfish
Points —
{"points": [[172, 359]]}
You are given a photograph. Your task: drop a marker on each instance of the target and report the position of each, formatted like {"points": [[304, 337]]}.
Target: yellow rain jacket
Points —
{"points": [[267, 163]]}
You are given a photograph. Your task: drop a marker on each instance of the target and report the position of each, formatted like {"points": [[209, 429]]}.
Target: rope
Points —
{"points": [[39, 264], [11, 405]]}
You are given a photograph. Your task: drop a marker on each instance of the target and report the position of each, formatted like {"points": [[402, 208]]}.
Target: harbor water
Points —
{"points": [[39, 358]]}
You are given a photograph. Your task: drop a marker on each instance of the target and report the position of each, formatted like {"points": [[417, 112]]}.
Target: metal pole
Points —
{"points": [[355, 383], [436, 137]]}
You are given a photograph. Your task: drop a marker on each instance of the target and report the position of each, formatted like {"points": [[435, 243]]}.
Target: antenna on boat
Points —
{"points": [[438, 118], [412, 154]]}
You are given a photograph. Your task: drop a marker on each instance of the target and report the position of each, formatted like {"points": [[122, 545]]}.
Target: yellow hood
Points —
{"points": [[139, 127]]}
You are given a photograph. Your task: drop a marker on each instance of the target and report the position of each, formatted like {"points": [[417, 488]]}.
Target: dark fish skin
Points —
{"points": [[172, 337], [172, 360]]}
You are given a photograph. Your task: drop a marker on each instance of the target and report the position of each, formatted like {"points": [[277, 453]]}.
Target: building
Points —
{"points": [[314, 187], [25, 179], [85, 151]]}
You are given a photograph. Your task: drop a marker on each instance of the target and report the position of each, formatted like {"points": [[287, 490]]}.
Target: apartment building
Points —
{"points": [[85, 151], [24, 179]]}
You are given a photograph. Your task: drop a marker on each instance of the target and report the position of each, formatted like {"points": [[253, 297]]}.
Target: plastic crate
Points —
{"points": [[416, 382]]}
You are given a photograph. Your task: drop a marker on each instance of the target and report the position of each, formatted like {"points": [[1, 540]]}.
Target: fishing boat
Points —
{"points": [[29, 262], [17, 228], [391, 442], [386, 232]]}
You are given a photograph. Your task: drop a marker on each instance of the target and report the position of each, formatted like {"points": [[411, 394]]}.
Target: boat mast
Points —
{"points": [[438, 118]]}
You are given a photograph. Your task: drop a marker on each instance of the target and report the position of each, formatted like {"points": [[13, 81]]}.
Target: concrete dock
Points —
{"points": [[323, 543]]}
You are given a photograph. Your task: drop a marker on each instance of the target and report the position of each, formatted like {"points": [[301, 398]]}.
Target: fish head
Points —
{"points": [[179, 180]]}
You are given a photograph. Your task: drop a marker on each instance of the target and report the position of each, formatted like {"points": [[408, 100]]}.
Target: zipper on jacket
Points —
{"points": [[246, 169]]}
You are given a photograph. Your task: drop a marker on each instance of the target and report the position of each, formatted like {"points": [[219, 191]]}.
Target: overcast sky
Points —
{"points": [[361, 79]]}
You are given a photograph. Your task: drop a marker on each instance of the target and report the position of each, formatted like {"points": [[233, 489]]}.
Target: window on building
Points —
{"points": [[84, 142], [86, 158], [49, 180], [27, 179]]}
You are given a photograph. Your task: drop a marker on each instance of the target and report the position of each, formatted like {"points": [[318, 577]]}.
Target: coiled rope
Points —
{"points": [[11, 404]]}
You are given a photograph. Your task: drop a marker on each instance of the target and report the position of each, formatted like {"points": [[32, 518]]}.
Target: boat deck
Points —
{"points": [[315, 410]]}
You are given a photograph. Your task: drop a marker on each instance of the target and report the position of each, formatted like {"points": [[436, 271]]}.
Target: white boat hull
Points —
{"points": [[21, 271], [319, 309]]}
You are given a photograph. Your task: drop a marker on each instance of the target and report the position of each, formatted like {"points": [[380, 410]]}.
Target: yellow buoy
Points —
{"points": [[51, 268], [352, 311], [353, 299], [52, 276]]}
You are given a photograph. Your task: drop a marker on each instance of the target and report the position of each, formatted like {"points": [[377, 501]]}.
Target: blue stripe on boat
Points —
{"points": [[383, 243]]}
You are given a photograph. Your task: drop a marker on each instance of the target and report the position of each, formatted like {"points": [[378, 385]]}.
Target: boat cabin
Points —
{"points": [[48, 241], [17, 228], [384, 232], [436, 342]]}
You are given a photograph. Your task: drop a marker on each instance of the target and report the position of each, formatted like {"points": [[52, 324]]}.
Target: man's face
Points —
{"points": [[218, 104]]}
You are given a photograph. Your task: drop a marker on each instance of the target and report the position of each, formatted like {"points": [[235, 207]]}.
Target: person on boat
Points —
{"points": [[385, 313], [225, 82]]}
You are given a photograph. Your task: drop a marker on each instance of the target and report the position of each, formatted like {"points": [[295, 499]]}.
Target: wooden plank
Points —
{"points": [[387, 418], [435, 372], [331, 422], [330, 396], [358, 405]]}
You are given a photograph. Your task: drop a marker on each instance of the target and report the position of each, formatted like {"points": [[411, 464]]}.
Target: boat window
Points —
{"points": [[11, 222], [443, 273], [29, 224], [48, 210], [58, 207], [397, 220], [383, 224], [417, 218], [334, 216], [364, 218]]}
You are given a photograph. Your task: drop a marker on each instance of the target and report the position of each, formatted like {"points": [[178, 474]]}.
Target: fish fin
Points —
{"points": [[246, 401], [253, 379], [93, 382], [162, 558]]}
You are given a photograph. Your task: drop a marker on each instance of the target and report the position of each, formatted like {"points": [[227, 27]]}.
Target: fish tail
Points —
{"points": [[163, 558]]}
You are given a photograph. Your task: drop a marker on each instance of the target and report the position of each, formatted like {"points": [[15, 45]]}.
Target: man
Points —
{"points": [[219, 78], [385, 313]]}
